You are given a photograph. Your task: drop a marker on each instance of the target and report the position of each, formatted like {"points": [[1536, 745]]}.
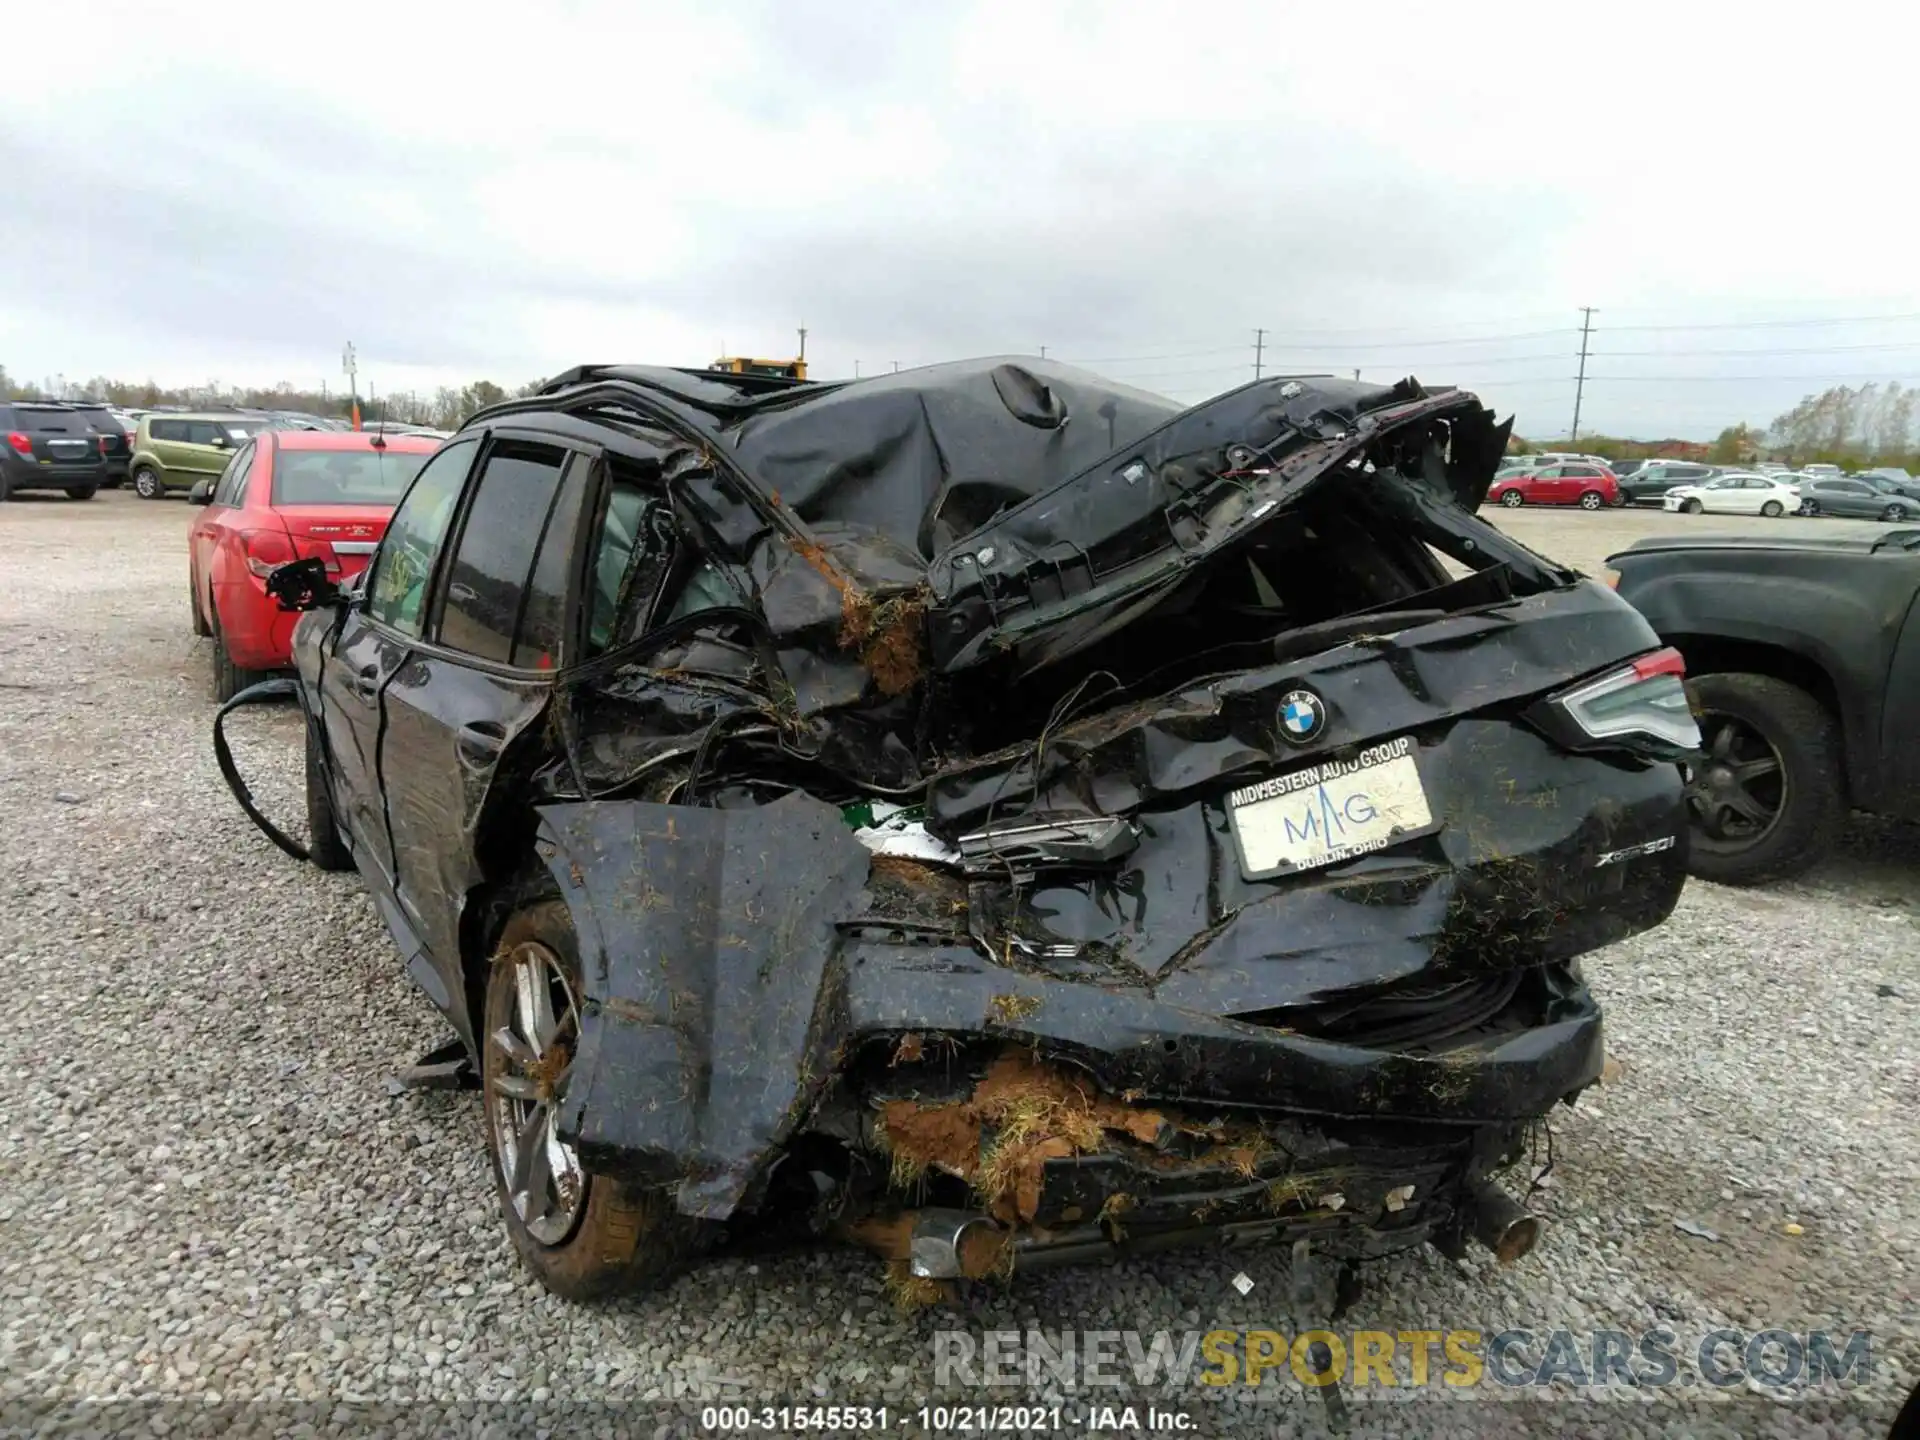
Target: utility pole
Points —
{"points": [[896, 367], [1259, 351], [1356, 372], [856, 369], [1043, 352], [1580, 385], [350, 362], [803, 342]]}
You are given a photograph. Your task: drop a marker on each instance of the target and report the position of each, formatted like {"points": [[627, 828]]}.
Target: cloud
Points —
{"points": [[1433, 190]]}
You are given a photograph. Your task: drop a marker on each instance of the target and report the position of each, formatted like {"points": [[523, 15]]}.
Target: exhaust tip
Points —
{"points": [[1518, 1239], [1501, 1225]]}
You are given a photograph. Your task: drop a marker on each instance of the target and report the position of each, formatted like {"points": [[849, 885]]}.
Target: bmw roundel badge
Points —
{"points": [[1302, 716]]}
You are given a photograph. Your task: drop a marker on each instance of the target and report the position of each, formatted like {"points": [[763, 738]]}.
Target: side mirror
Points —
{"points": [[201, 493], [303, 585]]}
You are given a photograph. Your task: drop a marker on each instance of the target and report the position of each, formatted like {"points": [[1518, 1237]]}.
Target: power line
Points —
{"points": [[1828, 377], [1780, 324]]}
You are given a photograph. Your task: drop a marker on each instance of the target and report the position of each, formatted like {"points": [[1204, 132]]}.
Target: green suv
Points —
{"points": [[173, 451]]}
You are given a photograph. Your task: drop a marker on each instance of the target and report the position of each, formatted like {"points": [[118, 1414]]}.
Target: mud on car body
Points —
{"points": [[991, 813]]}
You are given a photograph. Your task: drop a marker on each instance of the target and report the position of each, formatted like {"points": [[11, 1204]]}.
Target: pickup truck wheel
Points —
{"points": [[1692, 507], [1894, 513], [1512, 499], [146, 484], [1773, 509], [1766, 801], [582, 1235], [1593, 500], [324, 846]]}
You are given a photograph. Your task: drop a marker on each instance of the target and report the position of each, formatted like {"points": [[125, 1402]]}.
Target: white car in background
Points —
{"points": [[1735, 492]]}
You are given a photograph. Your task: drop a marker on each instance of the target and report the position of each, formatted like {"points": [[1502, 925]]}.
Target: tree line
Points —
{"points": [[445, 408]]}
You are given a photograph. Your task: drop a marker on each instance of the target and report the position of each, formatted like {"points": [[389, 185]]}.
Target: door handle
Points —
{"points": [[481, 742]]}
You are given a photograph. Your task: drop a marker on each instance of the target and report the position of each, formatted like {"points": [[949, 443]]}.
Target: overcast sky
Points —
{"points": [[1434, 189]]}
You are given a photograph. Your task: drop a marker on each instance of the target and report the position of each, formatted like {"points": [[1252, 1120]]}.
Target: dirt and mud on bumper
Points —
{"points": [[1000, 1160]]}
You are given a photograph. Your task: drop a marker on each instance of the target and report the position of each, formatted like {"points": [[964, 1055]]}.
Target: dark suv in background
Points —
{"points": [[116, 439], [1649, 482], [49, 447]]}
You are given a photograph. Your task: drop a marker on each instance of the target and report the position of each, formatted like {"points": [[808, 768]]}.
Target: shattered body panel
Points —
{"points": [[1120, 675]]}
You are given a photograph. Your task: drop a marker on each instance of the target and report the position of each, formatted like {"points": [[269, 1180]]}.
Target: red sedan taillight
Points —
{"points": [[267, 551], [20, 441]]}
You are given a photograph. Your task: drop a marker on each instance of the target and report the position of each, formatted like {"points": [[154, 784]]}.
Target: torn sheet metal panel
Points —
{"points": [[707, 938]]}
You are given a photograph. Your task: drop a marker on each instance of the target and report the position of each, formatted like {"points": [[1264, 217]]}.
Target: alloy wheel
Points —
{"points": [[530, 1054], [1894, 514], [1513, 499], [1735, 795], [1591, 500]]}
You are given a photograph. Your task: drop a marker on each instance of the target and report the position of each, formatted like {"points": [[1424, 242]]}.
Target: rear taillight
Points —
{"points": [[21, 442], [311, 549], [1641, 706], [267, 551]]}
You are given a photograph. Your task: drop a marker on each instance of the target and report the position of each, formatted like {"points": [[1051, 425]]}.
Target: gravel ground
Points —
{"points": [[205, 1190]]}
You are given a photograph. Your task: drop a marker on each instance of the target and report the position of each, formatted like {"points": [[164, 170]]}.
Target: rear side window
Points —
{"points": [[343, 477], [494, 555], [397, 589], [173, 430], [540, 640], [233, 479]]}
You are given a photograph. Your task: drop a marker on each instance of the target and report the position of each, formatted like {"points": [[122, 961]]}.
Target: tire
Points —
{"points": [[1691, 507], [1593, 500], [324, 846], [146, 484], [229, 679], [1773, 509], [200, 626], [1802, 795], [6, 489], [592, 1235], [1512, 499], [84, 492], [1809, 507], [1894, 513]]}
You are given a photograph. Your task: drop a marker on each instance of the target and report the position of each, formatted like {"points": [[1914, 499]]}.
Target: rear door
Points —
{"points": [[376, 637], [60, 438], [214, 526], [502, 626], [1577, 480], [1552, 487]]}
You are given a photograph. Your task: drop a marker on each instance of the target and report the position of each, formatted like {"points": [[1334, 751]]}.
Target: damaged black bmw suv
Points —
{"points": [[989, 813]]}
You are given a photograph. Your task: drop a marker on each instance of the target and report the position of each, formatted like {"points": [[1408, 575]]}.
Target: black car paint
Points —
{"points": [[1839, 615], [740, 953]]}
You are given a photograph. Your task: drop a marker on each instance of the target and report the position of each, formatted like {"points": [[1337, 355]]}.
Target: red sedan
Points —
{"points": [[287, 495], [1590, 486]]}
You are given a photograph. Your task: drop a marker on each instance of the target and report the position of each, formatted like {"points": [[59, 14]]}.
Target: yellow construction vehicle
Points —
{"points": [[740, 365]]}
